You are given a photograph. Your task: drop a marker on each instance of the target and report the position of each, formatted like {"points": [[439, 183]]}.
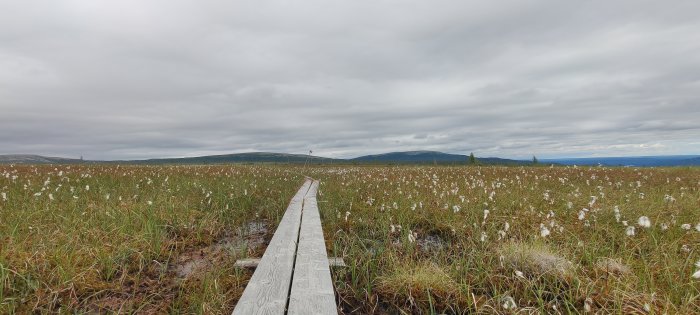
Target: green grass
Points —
{"points": [[560, 271], [103, 237], [416, 238]]}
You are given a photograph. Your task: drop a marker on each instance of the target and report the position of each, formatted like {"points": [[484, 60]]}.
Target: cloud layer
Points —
{"points": [[142, 79]]}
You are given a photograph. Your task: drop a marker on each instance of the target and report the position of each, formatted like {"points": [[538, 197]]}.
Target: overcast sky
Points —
{"points": [[143, 79]]}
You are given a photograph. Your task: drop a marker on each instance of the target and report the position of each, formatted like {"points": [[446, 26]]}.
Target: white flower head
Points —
{"points": [[629, 231], [644, 222], [696, 275], [411, 236], [587, 305], [508, 303], [685, 226], [501, 234], [544, 231]]}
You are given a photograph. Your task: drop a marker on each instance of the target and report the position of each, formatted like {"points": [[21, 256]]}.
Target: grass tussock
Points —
{"points": [[608, 267], [536, 260], [421, 286]]}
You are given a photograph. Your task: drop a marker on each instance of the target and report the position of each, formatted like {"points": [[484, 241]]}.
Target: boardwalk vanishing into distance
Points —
{"points": [[293, 276]]}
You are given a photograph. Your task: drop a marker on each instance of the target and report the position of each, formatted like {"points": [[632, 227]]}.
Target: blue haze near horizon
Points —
{"points": [[664, 160]]}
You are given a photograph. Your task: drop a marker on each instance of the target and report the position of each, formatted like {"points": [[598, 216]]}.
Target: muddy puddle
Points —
{"points": [[431, 243], [244, 242], [158, 284]]}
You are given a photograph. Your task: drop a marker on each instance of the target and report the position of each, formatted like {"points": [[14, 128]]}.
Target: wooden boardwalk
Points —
{"points": [[293, 276]]}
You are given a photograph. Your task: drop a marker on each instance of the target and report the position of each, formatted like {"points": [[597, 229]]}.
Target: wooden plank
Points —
{"points": [[336, 262], [253, 263], [312, 287], [247, 263], [268, 289]]}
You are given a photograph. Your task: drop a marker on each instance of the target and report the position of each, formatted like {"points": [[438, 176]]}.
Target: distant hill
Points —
{"points": [[409, 157], [663, 160], [428, 157], [35, 159], [252, 157]]}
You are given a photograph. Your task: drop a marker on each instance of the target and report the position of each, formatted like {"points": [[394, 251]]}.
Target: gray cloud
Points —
{"points": [[140, 79]]}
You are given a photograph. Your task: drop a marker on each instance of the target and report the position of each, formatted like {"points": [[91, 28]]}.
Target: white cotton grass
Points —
{"points": [[629, 231], [587, 305], [617, 213], [644, 222], [685, 226], [4, 196], [696, 274], [411, 236], [544, 231], [508, 303]]}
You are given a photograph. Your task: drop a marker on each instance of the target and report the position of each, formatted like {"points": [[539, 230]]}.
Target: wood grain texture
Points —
{"points": [[268, 289], [253, 263], [312, 287]]}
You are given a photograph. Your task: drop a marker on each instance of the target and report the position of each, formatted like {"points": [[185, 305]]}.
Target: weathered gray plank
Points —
{"points": [[268, 289], [247, 263], [312, 287], [253, 263], [336, 262]]}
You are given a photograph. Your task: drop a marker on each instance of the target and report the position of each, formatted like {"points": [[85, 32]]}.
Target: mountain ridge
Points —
{"points": [[33, 158], [399, 157]]}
